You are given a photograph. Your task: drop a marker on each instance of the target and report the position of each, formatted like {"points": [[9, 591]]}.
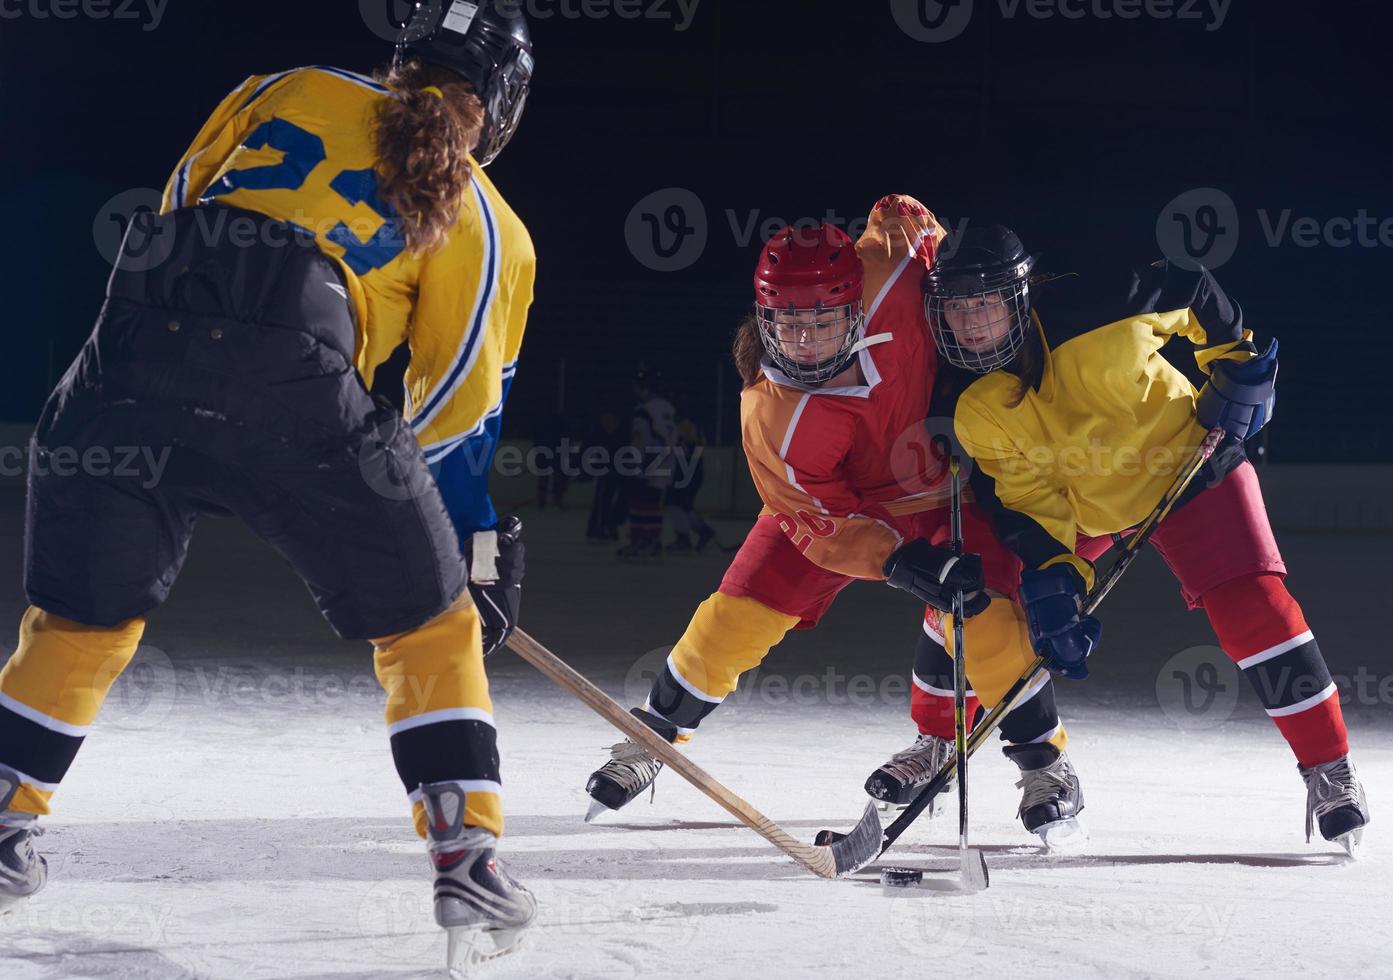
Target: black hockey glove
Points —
{"points": [[936, 575], [496, 564]]}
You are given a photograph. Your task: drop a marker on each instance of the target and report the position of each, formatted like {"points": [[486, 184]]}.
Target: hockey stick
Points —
{"points": [[1101, 588], [826, 862], [972, 863]]}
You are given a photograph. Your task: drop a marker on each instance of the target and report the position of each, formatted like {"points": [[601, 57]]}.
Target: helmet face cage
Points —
{"points": [[507, 97], [824, 337], [979, 323]]}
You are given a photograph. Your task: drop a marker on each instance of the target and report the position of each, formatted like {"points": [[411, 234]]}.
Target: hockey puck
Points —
{"points": [[900, 877]]}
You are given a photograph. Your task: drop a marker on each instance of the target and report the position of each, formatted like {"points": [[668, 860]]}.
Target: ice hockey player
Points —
{"points": [[831, 385], [1036, 393], [246, 346], [653, 432]]}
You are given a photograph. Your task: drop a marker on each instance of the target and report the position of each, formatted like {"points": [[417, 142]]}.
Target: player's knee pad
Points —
{"points": [[436, 666], [1253, 613]]}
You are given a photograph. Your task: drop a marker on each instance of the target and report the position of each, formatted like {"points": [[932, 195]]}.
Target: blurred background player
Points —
{"points": [[831, 385], [653, 431], [608, 505], [244, 343], [1027, 403], [681, 499]]}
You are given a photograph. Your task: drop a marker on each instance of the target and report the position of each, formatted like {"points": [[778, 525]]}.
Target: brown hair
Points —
{"points": [[423, 145], [748, 350], [1029, 363]]}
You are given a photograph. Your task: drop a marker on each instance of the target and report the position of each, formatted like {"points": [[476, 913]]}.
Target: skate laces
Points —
{"points": [[1044, 785], [1330, 786], [925, 757], [631, 765]]}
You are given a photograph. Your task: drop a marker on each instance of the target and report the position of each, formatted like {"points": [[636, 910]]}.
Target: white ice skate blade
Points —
{"points": [[885, 806], [596, 809], [1063, 836], [1350, 842], [468, 951]]}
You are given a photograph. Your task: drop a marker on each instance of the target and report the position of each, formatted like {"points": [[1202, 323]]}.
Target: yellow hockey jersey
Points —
{"points": [[1093, 448], [299, 147]]}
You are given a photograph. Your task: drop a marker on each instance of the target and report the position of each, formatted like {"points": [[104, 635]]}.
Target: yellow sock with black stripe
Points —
{"points": [[998, 652], [50, 693], [439, 714], [727, 636]]}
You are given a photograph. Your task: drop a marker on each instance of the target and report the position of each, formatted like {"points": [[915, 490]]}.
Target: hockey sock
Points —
{"points": [[1261, 628], [439, 714], [931, 696], [726, 637], [50, 693]]}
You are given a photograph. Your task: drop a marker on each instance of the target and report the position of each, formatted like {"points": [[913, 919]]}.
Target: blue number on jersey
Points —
{"points": [[360, 187], [303, 152]]}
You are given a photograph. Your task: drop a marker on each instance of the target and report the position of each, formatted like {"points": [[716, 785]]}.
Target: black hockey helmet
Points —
{"points": [[978, 298], [488, 44]]}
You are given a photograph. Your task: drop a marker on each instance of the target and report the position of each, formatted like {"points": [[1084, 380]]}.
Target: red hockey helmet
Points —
{"points": [[808, 301]]}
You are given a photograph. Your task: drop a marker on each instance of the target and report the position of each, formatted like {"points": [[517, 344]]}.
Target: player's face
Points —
{"points": [[979, 323], [811, 336]]}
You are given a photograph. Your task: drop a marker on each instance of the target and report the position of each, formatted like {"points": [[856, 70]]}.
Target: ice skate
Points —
{"points": [[1336, 803], [1052, 798], [896, 783], [481, 908], [22, 872], [631, 769], [681, 545]]}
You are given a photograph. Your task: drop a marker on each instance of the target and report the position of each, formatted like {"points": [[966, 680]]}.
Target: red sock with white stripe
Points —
{"points": [[1261, 628]]}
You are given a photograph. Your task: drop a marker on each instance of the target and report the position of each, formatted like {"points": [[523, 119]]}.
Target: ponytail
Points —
{"points": [[748, 350], [426, 129]]}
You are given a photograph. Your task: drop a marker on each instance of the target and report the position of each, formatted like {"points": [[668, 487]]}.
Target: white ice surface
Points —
{"points": [[236, 814]]}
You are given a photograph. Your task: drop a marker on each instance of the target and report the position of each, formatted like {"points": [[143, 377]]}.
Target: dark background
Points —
{"points": [[1077, 131]]}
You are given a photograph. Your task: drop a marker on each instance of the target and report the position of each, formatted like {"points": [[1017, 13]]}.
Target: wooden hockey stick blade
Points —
{"points": [[821, 861]]}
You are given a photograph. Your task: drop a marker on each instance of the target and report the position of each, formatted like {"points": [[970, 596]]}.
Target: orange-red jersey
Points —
{"points": [[835, 465]]}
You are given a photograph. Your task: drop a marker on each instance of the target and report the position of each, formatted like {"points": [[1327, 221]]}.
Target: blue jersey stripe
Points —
{"points": [[461, 369]]}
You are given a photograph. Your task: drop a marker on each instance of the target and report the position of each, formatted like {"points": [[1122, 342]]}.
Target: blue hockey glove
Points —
{"points": [[1240, 397], [1052, 598]]}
